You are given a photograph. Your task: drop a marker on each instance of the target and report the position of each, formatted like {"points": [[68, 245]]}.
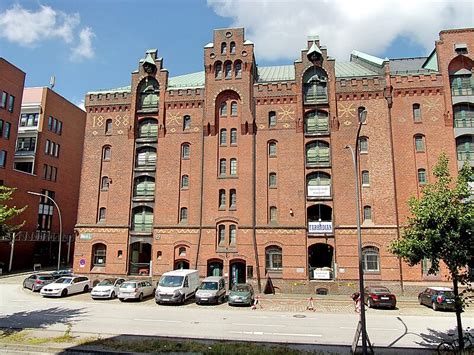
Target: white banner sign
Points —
{"points": [[320, 227], [314, 191]]}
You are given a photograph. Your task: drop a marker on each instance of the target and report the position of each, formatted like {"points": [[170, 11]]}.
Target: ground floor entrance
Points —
{"points": [[320, 261], [140, 257], [237, 273]]}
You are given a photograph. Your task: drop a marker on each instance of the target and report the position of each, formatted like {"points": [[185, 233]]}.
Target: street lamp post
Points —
{"points": [[60, 223], [362, 116]]}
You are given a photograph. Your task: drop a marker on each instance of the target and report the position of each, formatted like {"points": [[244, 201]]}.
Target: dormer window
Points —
{"points": [[460, 48], [149, 95]]}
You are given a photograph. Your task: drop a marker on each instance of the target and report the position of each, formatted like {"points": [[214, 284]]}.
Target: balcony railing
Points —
{"points": [[143, 227], [465, 156], [323, 227], [464, 91], [466, 123], [318, 161], [140, 269]]}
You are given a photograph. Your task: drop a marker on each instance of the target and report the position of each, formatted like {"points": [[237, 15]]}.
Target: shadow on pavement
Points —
{"points": [[16, 322], [434, 337]]}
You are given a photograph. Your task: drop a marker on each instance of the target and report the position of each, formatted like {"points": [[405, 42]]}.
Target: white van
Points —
{"points": [[177, 286]]}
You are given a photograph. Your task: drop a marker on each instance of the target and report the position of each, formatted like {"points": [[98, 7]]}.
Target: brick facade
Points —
{"points": [[273, 223]]}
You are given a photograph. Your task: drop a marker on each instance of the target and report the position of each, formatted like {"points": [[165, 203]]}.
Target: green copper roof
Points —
{"points": [[351, 69], [276, 73], [432, 62], [111, 91], [187, 81]]}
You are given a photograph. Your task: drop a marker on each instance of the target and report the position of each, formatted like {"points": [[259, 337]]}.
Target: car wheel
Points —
{"points": [[370, 303], [140, 298], [434, 306], [86, 288], [64, 293], [419, 300], [112, 295]]}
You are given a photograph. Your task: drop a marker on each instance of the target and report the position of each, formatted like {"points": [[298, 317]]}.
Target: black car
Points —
{"points": [[62, 273], [379, 296], [438, 298]]}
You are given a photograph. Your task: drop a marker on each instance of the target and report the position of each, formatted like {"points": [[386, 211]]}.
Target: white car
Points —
{"points": [[107, 288], [67, 286], [135, 289]]}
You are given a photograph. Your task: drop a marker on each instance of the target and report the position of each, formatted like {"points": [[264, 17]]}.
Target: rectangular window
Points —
{"points": [[233, 136], [1, 128], [3, 158], [46, 148], [11, 103], [416, 112], [232, 234], [45, 171], [233, 167], [419, 144], [6, 131], [3, 102], [55, 125], [56, 151], [365, 178], [50, 123], [221, 240], [59, 128], [421, 176], [52, 147]]}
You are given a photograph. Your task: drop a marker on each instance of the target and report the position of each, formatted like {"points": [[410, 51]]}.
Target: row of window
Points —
{"points": [[55, 125], [29, 119], [26, 144], [231, 47], [5, 128], [45, 211], [232, 199], [6, 97], [228, 69], [50, 173], [52, 148], [223, 137], [233, 109], [223, 167]]}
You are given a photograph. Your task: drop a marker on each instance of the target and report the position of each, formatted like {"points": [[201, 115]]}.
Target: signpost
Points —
{"points": [[355, 342]]}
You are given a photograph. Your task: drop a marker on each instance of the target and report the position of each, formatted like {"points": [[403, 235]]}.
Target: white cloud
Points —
{"points": [[29, 28], [84, 49], [280, 28], [81, 104]]}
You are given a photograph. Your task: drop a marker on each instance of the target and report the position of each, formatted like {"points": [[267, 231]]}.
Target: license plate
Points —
{"points": [[449, 301], [238, 300], [384, 298], [204, 299]]}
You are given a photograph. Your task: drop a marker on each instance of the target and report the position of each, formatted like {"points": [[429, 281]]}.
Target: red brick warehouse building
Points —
{"points": [[241, 170]]}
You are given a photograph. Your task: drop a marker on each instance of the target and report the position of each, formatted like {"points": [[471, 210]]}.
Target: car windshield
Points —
{"points": [[105, 282], [381, 290], [129, 285], [45, 277], [171, 281], [208, 286], [448, 294], [63, 280], [240, 288]]}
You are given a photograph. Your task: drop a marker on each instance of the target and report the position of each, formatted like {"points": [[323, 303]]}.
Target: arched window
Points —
{"points": [[272, 119], [465, 148], [238, 69], [186, 122], [462, 84], [148, 128], [222, 167], [142, 219], [319, 184], [317, 153], [104, 184], [223, 137], [272, 180], [223, 109], [182, 251], [419, 143], [365, 178], [273, 258], [233, 136], [185, 151], [233, 199], [464, 115], [233, 108], [221, 235], [99, 253], [218, 70], [416, 113], [272, 149], [233, 167], [146, 157], [102, 214], [183, 215], [228, 70], [371, 259], [144, 187], [221, 199], [223, 48], [149, 95], [363, 145], [184, 181], [273, 214], [421, 176], [108, 126], [316, 122], [106, 152], [232, 47], [367, 213], [232, 234], [315, 85]]}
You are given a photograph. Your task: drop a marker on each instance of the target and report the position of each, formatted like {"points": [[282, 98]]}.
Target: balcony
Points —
{"points": [[25, 153]]}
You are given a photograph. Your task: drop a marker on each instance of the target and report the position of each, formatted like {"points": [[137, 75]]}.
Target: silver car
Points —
{"points": [[107, 288], [211, 290], [37, 281], [135, 289]]}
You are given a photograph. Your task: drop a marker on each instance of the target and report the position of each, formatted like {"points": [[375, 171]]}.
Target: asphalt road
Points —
{"points": [[21, 308]]}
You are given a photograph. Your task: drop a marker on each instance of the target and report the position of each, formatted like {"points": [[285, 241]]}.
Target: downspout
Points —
{"points": [[388, 96], [254, 202], [201, 201]]}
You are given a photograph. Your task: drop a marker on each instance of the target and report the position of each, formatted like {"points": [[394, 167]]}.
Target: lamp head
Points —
{"points": [[362, 116]]}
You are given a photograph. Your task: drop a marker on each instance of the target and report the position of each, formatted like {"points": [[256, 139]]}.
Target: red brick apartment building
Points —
{"points": [[242, 171], [44, 155]]}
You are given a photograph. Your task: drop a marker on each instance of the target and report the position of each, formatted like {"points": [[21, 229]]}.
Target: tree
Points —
{"points": [[441, 228], [7, 213]]}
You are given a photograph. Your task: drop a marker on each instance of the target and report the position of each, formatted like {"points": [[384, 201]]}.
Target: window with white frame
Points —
{"points": [[371, 259]]}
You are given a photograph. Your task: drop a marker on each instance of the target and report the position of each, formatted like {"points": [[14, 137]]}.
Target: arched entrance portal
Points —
{"points": [[237, 273], [140, 257], [320, 261], [181, 264], [215, 268]]}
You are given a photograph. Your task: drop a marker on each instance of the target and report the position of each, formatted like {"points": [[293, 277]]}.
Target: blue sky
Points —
{"points": [[94, 44]]}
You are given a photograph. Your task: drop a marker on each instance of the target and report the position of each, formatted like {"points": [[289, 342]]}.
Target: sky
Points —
{"points": [[96, 44]]}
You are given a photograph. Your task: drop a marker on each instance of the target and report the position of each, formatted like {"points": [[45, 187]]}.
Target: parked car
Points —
{"points": [[438, 298], [62, 273], [107, 288], [37, 281], [241, 294], [135, 289], [177, 286], [67, 285], [379, 296], [211, 290]]}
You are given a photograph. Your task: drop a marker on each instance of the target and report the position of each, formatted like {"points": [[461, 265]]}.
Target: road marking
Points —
{"points": [[19, 300], [158, 320], [371, 328], [284, 334], [259, 325]]}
